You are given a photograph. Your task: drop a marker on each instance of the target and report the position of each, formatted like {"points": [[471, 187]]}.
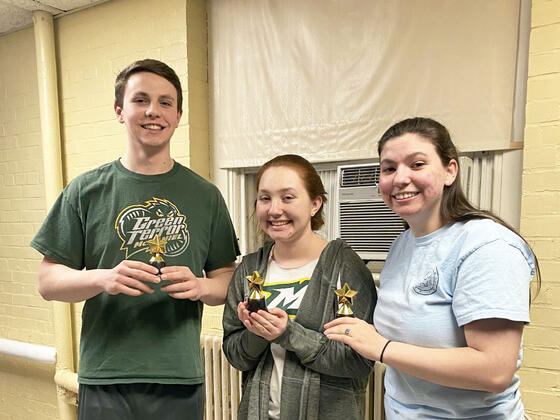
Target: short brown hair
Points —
{"points": [[151, 66], [310, 177]]}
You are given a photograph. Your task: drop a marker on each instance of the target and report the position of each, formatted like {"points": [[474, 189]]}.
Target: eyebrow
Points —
{"points": [[283, 190], [408, 157], [144, 94]]}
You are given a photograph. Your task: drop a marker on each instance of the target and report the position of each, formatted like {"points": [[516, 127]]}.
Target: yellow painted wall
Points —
{"points": [[197, 39], [25, 316], [93, 45], [197, 57], [27, 390], [540, 212]]}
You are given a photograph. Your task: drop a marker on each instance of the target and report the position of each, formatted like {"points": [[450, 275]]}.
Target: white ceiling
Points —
{"points": [[18, 14]]}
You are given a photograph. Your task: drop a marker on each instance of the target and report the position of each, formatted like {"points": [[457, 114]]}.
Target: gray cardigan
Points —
{"points": [[322, 379]]}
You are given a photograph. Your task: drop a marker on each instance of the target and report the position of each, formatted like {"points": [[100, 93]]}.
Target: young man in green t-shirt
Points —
{"points": [[140, 341]]}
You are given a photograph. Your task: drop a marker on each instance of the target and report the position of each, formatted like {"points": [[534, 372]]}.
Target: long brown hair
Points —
{"points": [[455, 207]]}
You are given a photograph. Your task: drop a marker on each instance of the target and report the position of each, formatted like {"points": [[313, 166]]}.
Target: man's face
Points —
{"points": [[149, 111]]}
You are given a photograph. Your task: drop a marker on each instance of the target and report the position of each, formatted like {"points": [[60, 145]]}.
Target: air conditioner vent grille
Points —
{"points": [[369, 227], [360, 176]]}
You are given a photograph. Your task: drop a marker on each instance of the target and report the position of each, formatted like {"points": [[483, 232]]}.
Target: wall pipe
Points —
{"points": [[67, 380], [36, 352], [52, 163]]}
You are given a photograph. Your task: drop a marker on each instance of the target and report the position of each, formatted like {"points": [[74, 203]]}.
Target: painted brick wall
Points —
{"points": [[26, 389], [540, 212], [197, 39], [197, 53], [25, 316], [92, 47]]}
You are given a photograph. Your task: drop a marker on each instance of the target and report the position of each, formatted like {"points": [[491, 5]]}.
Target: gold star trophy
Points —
{"points": [[257, 299], [344, 304], [157, 248]]}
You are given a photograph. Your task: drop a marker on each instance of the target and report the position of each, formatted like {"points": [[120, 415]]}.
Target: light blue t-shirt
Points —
{"points": [[432, 286]]}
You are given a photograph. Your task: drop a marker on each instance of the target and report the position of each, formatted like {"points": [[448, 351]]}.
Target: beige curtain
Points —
{"points": [[325, 78]]}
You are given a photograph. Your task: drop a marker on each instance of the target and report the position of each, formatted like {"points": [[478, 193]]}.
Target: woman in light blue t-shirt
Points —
{"points": [[454, 291]]}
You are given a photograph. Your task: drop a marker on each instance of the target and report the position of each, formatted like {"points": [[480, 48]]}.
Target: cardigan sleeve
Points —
{"points": [[242, 348]]}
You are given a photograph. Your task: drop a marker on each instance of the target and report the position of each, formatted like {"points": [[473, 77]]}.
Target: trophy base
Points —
{"points": [[253, 305], [159, 265], [346, 315]]}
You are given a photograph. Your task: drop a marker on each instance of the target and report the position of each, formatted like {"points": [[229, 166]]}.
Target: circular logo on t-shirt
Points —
{"points": [[428, 286], [138, 223]]}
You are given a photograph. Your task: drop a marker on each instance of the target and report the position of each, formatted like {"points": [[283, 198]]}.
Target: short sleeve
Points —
{"points": [[493, 282], [224, 248], [61, 236]]}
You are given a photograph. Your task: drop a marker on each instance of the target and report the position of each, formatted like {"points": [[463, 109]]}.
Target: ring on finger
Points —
{"points": [[347, 331]]}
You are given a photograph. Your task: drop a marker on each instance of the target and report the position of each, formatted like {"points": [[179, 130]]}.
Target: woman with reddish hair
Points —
{"points": [[290, 369]]}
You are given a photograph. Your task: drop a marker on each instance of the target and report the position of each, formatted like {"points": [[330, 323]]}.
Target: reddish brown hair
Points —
{"points": [[309, 176]]}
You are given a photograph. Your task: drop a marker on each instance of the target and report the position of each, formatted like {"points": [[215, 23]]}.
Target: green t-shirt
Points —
{"points": [[105, 216]]}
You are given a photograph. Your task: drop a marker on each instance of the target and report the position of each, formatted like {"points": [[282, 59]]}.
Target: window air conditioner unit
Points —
{"points": [[364, 221]]}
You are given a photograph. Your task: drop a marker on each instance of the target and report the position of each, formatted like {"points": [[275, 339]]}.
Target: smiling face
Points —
{"points": [[412, 181], [284, 208], [149, 111]]}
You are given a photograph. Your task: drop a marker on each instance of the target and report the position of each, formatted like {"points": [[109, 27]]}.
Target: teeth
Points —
{"points": [[280, 223], [153, 126], [404, 195]]}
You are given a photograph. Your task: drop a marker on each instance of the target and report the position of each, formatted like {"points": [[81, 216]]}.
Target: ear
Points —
{"points": [[179, 115], [451, 172], [316, 205], [118, 111]]}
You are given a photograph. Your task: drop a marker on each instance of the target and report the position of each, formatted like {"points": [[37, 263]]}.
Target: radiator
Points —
{"points": [[223, 385]]}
